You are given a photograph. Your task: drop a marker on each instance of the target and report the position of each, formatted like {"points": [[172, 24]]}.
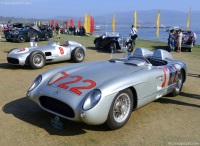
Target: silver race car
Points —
{"points": [[108, 91], [37, 57]]}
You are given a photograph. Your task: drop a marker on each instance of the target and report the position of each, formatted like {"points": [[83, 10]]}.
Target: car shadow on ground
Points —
{"points": [[187, 95], [13, 67], [29, 112], [159, 47], [27, 67], [194, 75]]}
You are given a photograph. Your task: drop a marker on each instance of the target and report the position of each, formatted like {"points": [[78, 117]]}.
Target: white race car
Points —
{"points": [[38, 56]]}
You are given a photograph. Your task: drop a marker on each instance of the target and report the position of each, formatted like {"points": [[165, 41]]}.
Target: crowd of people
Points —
{"points": [[171, 40], [72, 30]]}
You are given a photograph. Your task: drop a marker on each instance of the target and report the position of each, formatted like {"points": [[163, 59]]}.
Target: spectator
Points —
{"points": [[195, 38], [33, 37], [57, 31], [52, 28], [133, 34], [171, 41], [180, 35]]}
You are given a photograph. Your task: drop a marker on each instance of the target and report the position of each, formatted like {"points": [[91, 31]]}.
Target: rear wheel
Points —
{"points": [[120, 109], [179, 84], [37, 59], [47, 38], [78, 55], [21, 39], [112, 46]]}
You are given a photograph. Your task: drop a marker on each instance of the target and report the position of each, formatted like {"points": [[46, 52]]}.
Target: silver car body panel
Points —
{"points": [[149, 81], [53, 51]]}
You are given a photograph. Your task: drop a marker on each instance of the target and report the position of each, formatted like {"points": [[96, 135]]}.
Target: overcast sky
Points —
{"points": [[52, 8]]}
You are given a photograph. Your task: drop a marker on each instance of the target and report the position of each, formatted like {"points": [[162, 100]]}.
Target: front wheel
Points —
{"points": [[78, 55], [120, 109], [97, 44], [37, 59]]}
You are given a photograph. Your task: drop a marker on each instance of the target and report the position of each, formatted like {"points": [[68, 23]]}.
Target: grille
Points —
{"points": [[13, 60], [56, 106]]}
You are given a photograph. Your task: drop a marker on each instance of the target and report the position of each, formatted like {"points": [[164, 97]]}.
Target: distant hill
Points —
{"points": [[144, 18], [148, 18]]}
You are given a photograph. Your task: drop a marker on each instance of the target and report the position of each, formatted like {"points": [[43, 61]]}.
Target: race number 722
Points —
{"points": [[87, 83]]}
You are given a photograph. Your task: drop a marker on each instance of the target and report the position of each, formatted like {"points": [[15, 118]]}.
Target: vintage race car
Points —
{"points": [[38, 56], [21, 34], [108, 91], [188, 39], [113, 41]]}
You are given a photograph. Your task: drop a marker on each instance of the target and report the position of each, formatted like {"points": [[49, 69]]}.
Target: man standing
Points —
{"points": [[57, 31], [33, 37], [133, 34]]}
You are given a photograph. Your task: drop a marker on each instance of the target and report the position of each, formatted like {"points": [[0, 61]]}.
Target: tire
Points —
{"points": [[37, 59], [47, 37], [120, 110], [112, 46], [78, 55], [21, 39], [179, 84], [97, 44], [130, 48], [190, 50]]}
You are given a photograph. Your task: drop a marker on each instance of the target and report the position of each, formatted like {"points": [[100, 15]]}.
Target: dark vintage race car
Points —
{"points": [[21, 34], [113, 41], [188, 39], [108, 91], [38, 56]]}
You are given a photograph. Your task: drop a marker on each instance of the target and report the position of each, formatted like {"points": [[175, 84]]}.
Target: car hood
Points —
{"points": [[86, 77]]}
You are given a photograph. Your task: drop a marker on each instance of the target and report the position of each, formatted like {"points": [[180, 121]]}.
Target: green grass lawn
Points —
{"points": [[87, 41]]}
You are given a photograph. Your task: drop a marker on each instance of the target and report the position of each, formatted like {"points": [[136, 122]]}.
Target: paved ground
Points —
{"points": [[167, 121]]}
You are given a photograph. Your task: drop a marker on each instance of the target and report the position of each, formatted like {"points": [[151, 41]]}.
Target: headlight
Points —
{"points": [[35, 83], [92, 99]]}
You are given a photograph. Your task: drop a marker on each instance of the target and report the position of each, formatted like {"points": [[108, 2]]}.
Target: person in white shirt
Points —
{"points": [[133, 34], [180, 35]]}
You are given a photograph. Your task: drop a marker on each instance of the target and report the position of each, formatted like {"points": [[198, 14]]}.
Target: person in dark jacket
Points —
{"points": [[33, 37]]}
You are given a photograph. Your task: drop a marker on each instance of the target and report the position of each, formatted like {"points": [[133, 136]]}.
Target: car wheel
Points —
{"points": [[120, 109], [130, 47], [190, 50], [179, 84], [97, 44], [47, 38], [21, 39], [112, 46], [78, 55], [37, 59]]}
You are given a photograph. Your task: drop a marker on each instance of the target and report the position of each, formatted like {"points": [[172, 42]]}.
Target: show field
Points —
{"points": [[167, 121]]}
